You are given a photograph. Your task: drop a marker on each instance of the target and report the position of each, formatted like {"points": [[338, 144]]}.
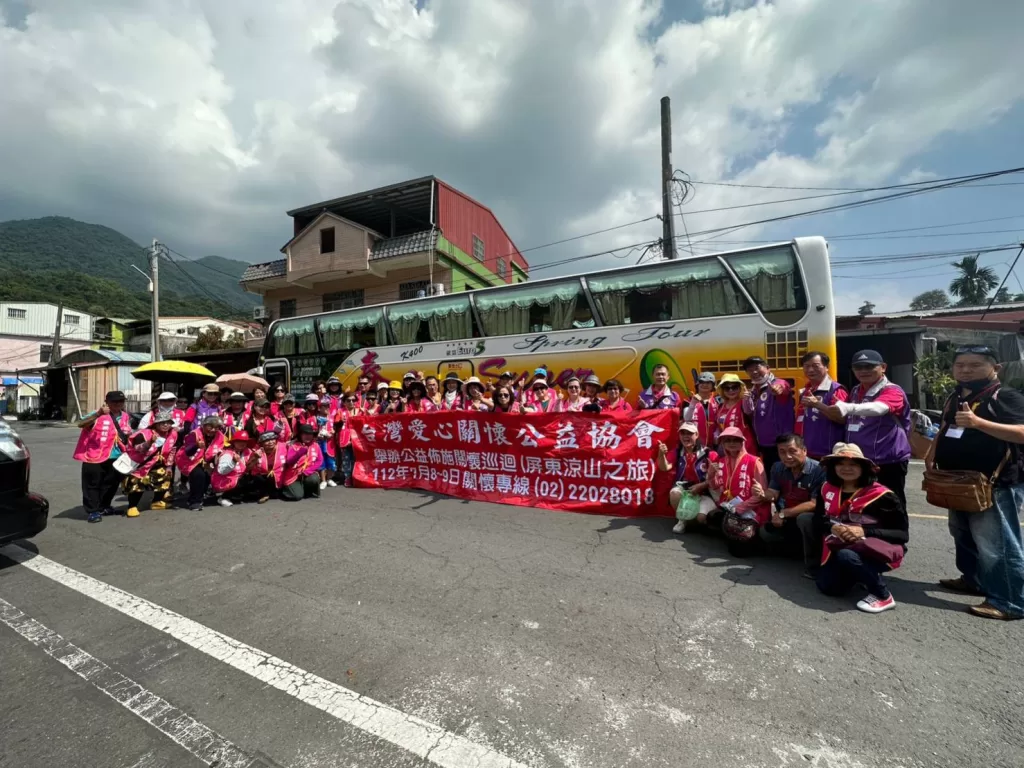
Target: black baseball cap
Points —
{"points": [[753, 360], [307, 429], [868, 357], [114, 395]]}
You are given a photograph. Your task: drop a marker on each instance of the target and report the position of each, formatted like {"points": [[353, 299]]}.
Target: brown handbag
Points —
{"points": [[961, 490]]}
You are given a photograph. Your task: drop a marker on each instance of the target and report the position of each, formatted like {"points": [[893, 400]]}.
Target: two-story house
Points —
{"points": [[416, 238]]}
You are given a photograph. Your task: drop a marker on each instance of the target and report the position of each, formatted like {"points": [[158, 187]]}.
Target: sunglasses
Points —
{"points": [[730, 386], [975, 350], [503, 395]]}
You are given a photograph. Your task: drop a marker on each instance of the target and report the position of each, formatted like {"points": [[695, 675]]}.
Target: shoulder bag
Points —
{"points": [[961, 490]]}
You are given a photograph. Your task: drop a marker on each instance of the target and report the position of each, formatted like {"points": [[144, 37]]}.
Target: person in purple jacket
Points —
{"points": [[878, 420], [770, 405], [659, 395]]}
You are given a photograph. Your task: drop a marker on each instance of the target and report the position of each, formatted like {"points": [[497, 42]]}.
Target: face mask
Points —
{"points": [[974, 387]]}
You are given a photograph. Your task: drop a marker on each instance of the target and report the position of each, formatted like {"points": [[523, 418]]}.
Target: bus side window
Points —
{"points": [[678, 290], [353, 329], [444, 318], [294, 337], [555, 306], [772, 278]]}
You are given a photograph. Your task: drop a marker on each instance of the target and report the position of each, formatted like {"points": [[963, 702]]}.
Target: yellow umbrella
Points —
{"points": [[173, 370]]}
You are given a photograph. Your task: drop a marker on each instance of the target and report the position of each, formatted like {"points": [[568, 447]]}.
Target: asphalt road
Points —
{"points": [[374, 626]]}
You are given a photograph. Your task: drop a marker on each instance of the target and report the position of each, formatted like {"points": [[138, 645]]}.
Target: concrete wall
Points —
{"points": [[377, 290], [351, 249]]}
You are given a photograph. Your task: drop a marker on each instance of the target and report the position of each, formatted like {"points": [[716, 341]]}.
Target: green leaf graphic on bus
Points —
{"points": [[676, 377]]}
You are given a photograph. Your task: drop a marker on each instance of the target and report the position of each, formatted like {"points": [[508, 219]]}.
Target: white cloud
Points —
{"points": [[203, 122]]}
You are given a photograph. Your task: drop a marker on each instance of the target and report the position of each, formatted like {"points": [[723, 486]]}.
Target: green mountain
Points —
{"points": [[89, 267]]}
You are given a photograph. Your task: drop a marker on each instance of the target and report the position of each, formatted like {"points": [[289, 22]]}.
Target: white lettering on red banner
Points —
{"points": [[598, 463]]}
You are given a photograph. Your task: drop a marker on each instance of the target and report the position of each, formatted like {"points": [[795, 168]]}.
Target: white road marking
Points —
{"points": [[205, 744], [413, 734]]}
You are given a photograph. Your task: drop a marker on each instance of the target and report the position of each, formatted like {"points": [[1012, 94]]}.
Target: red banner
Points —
{"points": [[601, 463]]}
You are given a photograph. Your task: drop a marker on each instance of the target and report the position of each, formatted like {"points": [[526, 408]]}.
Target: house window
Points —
{"points": [[45, 350], [72, 319], [478, 248], [288, 308], [411, 290], [17, 314], [343, 300], [327, 240], [502, 269]]}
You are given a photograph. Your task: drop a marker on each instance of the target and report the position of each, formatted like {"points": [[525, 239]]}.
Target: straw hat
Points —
{"points": [[847, 451], [729, 378]]}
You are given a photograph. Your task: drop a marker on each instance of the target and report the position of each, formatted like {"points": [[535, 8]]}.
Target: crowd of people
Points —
{"points": [[820, 472]]}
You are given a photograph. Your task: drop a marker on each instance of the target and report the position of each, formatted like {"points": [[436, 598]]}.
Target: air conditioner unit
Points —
{"points": [[437, 289], [260, 313]]}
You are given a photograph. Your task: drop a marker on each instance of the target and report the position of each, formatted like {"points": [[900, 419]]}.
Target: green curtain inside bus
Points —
{"points": [[338, 331], [698, 288], [770, 277], [447, 317], [505, 313], [295, 337]]}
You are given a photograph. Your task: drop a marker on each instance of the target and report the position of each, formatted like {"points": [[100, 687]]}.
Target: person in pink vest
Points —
{"points": [[343, 435], [232, 465], [740, 479], [152, 450], [296, 468], [259, 473], [236, 413], [702, 409], [197, 456], [167, 402], [103, 438], [864, 526], [614, 401]]}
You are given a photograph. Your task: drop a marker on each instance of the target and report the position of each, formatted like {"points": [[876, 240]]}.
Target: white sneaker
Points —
{"points": [[225, 503], [872, 604], [679, 527], [322, 486], [331, 484]]}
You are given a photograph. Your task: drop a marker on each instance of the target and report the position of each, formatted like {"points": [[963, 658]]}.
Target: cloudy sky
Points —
{"points": [[201, 122]]}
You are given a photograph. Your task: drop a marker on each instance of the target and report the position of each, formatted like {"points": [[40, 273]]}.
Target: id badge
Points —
{"points": [[955, 432], [855, 427]]}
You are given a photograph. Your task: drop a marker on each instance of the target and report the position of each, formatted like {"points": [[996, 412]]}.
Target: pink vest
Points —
{"points": [[296, 460], [97, 441], [342, 431], [204, 452], [261, 467], [738, 485], [223, 483], [147, 457]]}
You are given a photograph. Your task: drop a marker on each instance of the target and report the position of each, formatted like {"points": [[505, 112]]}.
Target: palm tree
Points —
{"points": [[974, 282]]}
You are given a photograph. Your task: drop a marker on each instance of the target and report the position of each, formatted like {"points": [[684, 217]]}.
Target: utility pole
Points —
{"points": [[668, 232], [55, 347], [154, 287]]}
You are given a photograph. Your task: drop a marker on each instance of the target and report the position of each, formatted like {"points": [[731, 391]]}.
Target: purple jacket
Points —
{"points": [[773, 415], [648, 400], [820, 433], [884, 439]]}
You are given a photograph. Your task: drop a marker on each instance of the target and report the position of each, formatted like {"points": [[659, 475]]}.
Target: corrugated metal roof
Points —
{"points": [[947, 311], [406, 206], [265, 270], [124, 357], [417, 242]]}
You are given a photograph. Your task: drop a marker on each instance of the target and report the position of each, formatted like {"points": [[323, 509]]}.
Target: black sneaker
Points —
{"points": [[95, 517], [811, 573]]}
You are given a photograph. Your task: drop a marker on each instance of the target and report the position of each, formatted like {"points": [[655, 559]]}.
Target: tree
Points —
{"points": [[973, 283], [936, 299], [867, 308], [1003, 296], [212, 337], [934, 372]]}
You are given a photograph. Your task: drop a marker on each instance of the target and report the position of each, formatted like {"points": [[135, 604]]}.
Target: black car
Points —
{"points": [[22, 514]]}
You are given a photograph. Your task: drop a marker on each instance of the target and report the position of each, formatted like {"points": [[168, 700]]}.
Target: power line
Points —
{"points": [[718, 231], [835, 189]]}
